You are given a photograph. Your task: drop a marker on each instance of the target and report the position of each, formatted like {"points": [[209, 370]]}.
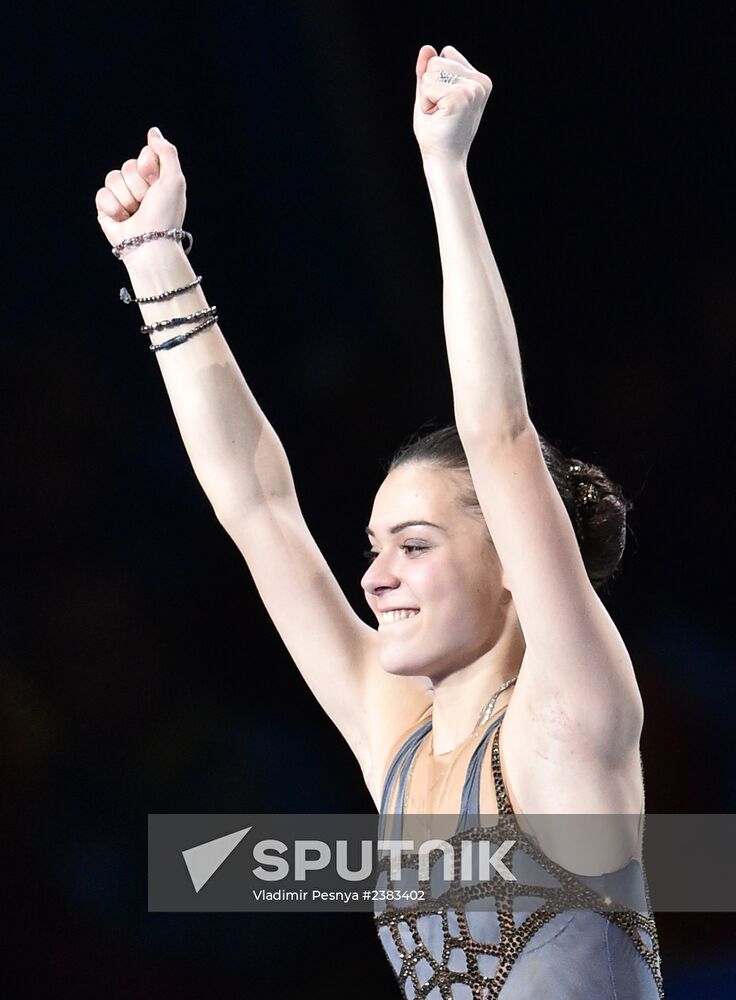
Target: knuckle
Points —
{"points": [[111, 177], [129, 166]]}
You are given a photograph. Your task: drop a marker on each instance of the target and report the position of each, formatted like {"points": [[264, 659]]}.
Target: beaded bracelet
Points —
{"points": [[158, 234], [164, 324], [127, 298], [166, 345]]}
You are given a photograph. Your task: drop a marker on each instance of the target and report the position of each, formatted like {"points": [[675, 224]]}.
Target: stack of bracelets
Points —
{"points": [[208, 317]]}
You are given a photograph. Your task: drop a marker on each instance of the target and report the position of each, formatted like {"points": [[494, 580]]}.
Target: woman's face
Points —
{"points": [[443, 577]]}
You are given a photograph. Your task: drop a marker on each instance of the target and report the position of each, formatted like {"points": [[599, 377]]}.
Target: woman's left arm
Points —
{"points": [[577, 677]]}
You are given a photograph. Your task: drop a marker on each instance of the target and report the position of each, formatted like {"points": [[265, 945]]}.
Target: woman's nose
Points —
{"points": [[379, 576]]}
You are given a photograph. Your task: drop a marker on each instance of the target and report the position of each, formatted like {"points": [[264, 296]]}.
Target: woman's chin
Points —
{"points": [[402, 666]]}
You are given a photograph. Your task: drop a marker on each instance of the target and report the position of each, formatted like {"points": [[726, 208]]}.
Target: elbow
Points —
{"points": [[500, 432], [247, 510]]}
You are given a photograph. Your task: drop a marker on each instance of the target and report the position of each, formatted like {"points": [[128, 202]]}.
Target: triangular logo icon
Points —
{"points": [[203, 861]]}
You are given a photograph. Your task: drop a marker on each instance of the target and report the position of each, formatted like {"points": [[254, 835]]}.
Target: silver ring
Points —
{"points": [[446, 77]]}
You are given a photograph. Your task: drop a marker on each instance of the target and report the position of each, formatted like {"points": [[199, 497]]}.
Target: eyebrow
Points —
{"points": [[407, 524]]}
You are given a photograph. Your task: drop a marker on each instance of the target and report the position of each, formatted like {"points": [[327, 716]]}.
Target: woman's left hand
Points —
{"points": [[447, 115]]}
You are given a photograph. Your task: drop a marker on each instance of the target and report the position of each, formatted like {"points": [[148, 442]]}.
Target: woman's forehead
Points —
{"points": [[418, 492]]}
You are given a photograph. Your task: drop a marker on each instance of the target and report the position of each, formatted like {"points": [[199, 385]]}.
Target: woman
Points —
{"points": [[486, 550]]}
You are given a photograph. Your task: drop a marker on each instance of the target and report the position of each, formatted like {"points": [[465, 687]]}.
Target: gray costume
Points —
{"points": [[463, 950]]}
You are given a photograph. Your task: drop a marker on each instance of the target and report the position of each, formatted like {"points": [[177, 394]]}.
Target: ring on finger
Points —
{"points": [[448, 78]]}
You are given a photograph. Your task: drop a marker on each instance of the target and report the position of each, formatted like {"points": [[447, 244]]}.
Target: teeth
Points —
{"points": [[396, 616]]}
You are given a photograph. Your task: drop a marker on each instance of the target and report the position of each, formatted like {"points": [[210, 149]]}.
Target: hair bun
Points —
{"points": [[586, 492], [598, 511]]}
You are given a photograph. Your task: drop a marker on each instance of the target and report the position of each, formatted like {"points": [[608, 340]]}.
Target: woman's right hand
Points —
{"points": [[145, 194]]}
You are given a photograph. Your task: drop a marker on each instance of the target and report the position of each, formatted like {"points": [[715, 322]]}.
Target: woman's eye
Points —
{"points": [[370, 555]]}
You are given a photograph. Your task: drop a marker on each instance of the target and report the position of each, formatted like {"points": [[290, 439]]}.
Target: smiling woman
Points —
{"points": [[441, 563], [488, 548]]}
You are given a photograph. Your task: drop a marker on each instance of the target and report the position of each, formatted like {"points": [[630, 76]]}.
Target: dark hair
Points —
{"points": [[596, 506]]}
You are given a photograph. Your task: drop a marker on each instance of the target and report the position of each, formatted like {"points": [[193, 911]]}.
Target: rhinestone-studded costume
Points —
{"points": [[563, 941]]}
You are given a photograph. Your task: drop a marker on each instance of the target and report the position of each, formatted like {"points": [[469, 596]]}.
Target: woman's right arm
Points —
{"points": [[243, 469]]}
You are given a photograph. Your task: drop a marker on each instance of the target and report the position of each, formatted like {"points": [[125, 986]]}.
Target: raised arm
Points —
{"points": [[577, 679], [243, 469]]}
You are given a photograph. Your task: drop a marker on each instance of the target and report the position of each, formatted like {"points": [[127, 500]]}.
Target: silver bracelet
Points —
{"points": [[166, 345], [158, 234], [165, 324], [127, 298]]}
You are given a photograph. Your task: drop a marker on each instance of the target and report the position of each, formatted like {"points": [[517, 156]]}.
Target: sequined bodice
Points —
{"points": [[549, 933]]}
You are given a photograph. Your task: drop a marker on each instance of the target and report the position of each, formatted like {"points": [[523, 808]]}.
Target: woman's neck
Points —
{"points": [[460, 697]]}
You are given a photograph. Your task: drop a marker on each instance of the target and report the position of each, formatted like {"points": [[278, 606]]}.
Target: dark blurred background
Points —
{"points": [[140, 673]]}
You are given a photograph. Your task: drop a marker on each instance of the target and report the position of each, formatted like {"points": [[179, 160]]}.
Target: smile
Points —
{"points": [[387, 617]]}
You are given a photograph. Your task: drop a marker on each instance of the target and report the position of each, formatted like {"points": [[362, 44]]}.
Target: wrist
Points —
{"points": [[444, 162], [444, 167], [445, 177], [157, 266]]}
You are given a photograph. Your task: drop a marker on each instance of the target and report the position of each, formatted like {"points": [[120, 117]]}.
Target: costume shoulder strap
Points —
{"points": [[401, 753], [502, 799]]}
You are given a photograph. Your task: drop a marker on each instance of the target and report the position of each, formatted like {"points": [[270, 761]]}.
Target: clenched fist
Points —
{"points": [[447, 115], [145, 194]]}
